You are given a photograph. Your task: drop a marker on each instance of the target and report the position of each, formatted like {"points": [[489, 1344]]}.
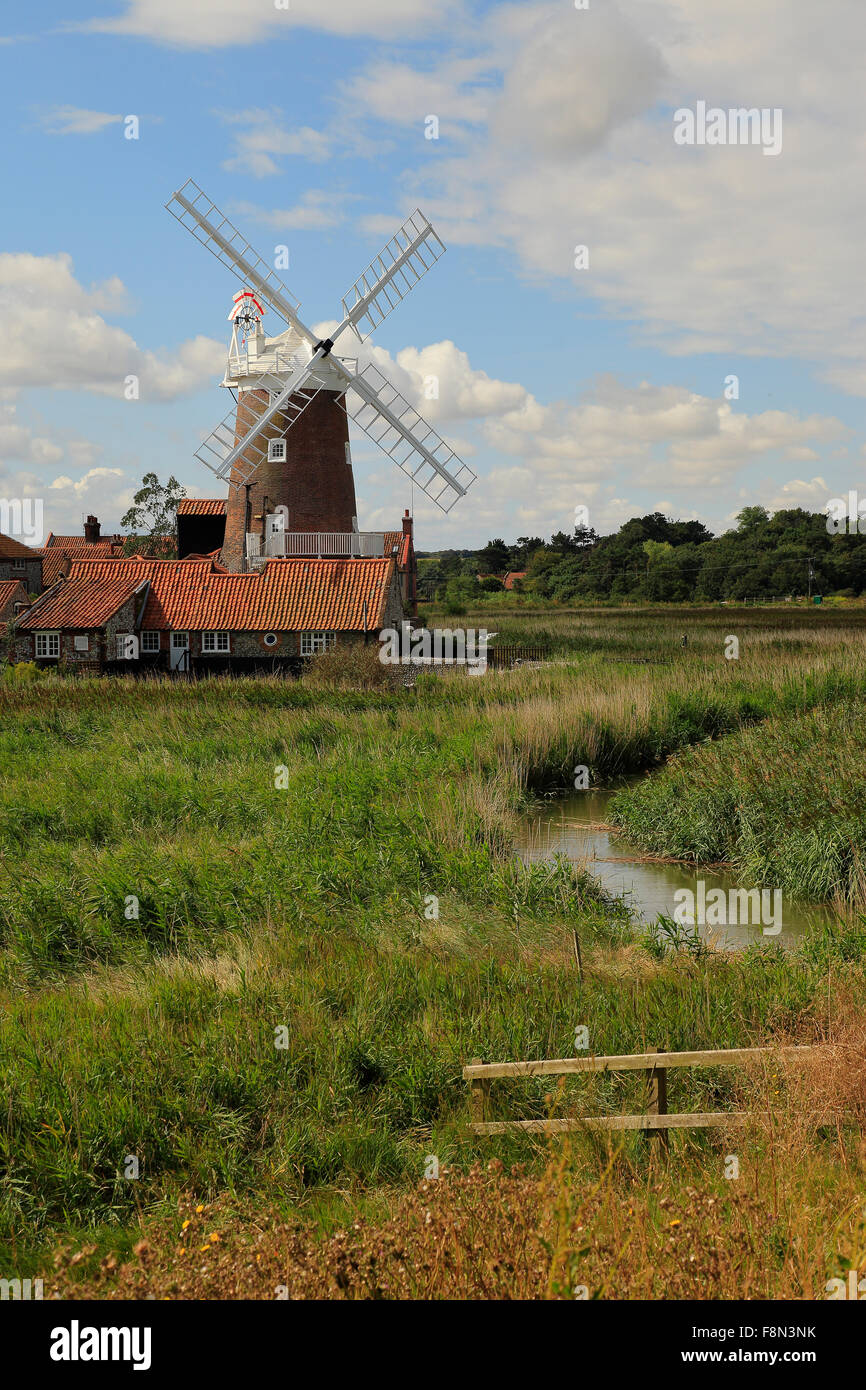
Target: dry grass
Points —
{"points": [[596, 1224]]}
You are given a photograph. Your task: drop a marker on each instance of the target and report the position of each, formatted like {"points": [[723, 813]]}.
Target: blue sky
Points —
{"points": [[601, 387]]}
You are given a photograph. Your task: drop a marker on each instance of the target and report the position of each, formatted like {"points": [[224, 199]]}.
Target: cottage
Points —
{"points": [[185, 615], [84, 621], [14, 598], [20, 563], [201, 526]]}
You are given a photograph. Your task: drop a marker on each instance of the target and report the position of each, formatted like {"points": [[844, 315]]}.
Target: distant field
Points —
{"points": [[164, 908]]}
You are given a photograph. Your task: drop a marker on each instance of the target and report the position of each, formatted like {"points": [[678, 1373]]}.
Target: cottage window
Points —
{"points": [[82, 644], [150, 641], [19, 566], [47, 644], [314, 642], [215, 642]]}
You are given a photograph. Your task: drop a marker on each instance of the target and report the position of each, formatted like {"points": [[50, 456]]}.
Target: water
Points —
{"points": [[574, 827]]}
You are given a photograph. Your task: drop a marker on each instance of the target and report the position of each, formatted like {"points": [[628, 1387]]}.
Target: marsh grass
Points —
{"points": [[784, 801], [154, 1034]]}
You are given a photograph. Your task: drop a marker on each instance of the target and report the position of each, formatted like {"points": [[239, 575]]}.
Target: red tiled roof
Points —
{"points": [[286, 596], [509, 579], [54, 556], [82, 603], [402, 542], [9, 594], [80, 542], [144, 565], [201, 506], [14, 550]]}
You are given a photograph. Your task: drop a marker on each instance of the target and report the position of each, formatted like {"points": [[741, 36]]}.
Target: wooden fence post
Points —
{"points": [[479, 1093], [657, 1097]]}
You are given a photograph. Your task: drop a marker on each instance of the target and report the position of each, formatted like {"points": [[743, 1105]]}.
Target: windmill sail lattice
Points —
{"points": [[390, 421], [410, 253], [195, 211], [235, 449]]}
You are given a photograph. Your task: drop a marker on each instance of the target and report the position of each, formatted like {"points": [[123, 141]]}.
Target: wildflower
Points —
{"points": [[184, 1226], [199, 1210]]}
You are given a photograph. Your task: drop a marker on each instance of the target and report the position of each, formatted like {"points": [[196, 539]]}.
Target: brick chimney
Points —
{"points": [[91, 530], [407, 523]]}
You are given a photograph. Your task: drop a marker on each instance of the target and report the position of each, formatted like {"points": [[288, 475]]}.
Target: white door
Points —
{"points": [[180, 651]]}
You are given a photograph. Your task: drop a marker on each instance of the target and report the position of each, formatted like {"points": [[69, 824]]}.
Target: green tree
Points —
{"points": [[495, 558], [152, 518]]}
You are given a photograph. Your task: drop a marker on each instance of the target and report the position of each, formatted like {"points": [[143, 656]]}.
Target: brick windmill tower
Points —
{"points": [[284, 446]]}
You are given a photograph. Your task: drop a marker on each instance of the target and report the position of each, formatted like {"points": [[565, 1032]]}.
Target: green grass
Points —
{"points": [[784, 801], [153, 1034]]}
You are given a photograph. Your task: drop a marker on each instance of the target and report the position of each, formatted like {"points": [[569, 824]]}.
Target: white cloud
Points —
{"points": [[262, 138], [54, 337], [457, 91], [441, 383], [706, 249], [76, 120], [217, 23], [813, 495], [19, 443], [572, 82], [616, 440], [66, 500]]}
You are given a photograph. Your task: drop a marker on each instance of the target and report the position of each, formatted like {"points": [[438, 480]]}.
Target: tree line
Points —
{"points": [[791, 554]]}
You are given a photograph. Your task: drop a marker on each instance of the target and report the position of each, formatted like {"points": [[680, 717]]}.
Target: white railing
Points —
{"points": [[245, 364], [252, 364], [315, 544], [326, 543]]}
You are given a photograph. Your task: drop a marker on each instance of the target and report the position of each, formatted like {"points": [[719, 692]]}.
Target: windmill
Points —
{"points": [[285, 445]]}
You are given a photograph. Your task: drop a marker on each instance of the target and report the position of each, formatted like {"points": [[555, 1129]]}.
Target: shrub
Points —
{"points": [[351, 666], [23, 673]]}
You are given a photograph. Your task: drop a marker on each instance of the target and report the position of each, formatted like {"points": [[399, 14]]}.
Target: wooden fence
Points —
{"points": [[656, 1119]]}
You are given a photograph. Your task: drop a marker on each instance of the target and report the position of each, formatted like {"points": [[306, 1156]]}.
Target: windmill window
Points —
{"points": [[277, 451], [314, 642], [47, 644], [214, 642]]}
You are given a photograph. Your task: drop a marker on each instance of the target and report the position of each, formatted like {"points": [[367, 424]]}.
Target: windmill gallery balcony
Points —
{"points": [[317, 545]]}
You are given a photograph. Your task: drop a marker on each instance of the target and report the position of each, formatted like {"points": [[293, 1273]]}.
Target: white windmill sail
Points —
{"points": [[403, 434], [195, 211], [388, 279]]}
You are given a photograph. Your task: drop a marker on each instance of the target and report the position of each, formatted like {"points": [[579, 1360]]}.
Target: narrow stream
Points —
{"points": [[573, 827]]}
